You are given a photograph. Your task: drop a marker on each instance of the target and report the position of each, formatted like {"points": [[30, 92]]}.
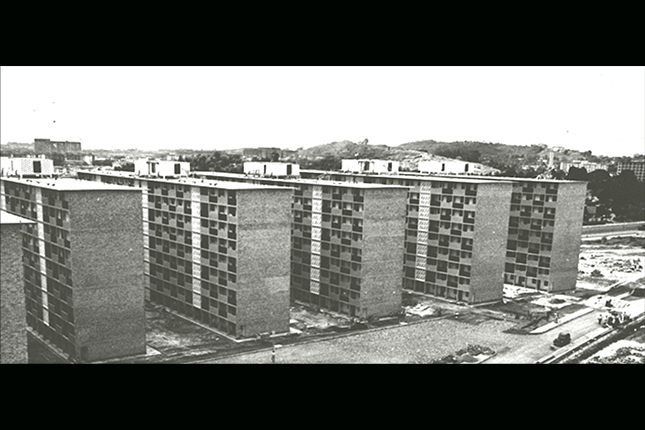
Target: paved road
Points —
{"points": [[610, 234], [538, 346]]}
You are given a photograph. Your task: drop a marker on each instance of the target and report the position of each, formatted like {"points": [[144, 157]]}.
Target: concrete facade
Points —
{"points": [[346, 244], [544, 233], [83, 265], [455, 233], [217, 253], [13, 322]]}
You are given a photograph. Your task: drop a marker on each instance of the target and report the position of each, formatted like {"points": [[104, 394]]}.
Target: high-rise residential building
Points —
{"points": [[13, 323], [215, 252], [346, 245], [544, 227], [83, 265], [455, 233], [637, 167], [545, 233]]}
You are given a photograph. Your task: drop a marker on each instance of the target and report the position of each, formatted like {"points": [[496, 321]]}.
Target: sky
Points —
{"points": [[601, 109]]}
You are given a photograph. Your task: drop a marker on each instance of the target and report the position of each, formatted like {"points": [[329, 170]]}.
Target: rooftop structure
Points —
{"points": [[263, 168], [449, 167], [26, 166], [83, 265], [161, 168], [216, 252], [370, 166]]}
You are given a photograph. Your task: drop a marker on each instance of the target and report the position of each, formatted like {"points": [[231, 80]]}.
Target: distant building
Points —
{"points": [[46, 146], [588, 166], [449, 167], [27, 167], [637, 167], [13, 322], [262, 168], [370, 166], [83, 265], [161, 168]]}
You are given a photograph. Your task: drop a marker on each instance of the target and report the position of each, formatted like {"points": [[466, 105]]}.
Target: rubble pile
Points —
{"points": [[470, 354], [628, 265]]}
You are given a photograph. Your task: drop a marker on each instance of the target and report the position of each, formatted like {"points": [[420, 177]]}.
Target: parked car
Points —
{"points": [[562, 339]]}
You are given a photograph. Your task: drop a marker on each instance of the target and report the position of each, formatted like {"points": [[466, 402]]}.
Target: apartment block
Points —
{"points": [[545, 233], [346, 244], [13, 322], [83, 265], [215, 252], [637, 167], [455, 233]]}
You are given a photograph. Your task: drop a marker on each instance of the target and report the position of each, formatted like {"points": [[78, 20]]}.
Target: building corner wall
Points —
{"points": [[489, 244]]}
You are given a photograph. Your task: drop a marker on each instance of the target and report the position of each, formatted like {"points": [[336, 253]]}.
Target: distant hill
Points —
{"points": [[507, 158], [408, 157]]}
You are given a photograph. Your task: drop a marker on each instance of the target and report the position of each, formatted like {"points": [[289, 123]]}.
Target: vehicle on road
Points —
{"points": [[562, 340]]}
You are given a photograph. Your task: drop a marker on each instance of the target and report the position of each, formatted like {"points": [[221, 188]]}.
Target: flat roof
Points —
{"points": [[6, 218], [187, 180], [69, 184], [550, 181], [413, 175], [295, 181]]}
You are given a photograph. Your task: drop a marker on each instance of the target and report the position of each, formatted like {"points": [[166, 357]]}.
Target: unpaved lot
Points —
{"points": [[413, 343]]}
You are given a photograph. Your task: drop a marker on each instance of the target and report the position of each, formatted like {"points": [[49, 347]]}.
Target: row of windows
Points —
{"points": [[343, 281], [192, 312], [436, 290], [325, 289], [65, 343], [531, 271], [335, 305], [445, 241]]}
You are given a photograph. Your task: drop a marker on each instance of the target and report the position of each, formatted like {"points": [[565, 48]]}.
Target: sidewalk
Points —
{"points": [[563, 320]]}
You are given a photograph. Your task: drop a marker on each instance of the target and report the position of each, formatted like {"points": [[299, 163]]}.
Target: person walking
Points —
{"points": [[273, 355]]}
